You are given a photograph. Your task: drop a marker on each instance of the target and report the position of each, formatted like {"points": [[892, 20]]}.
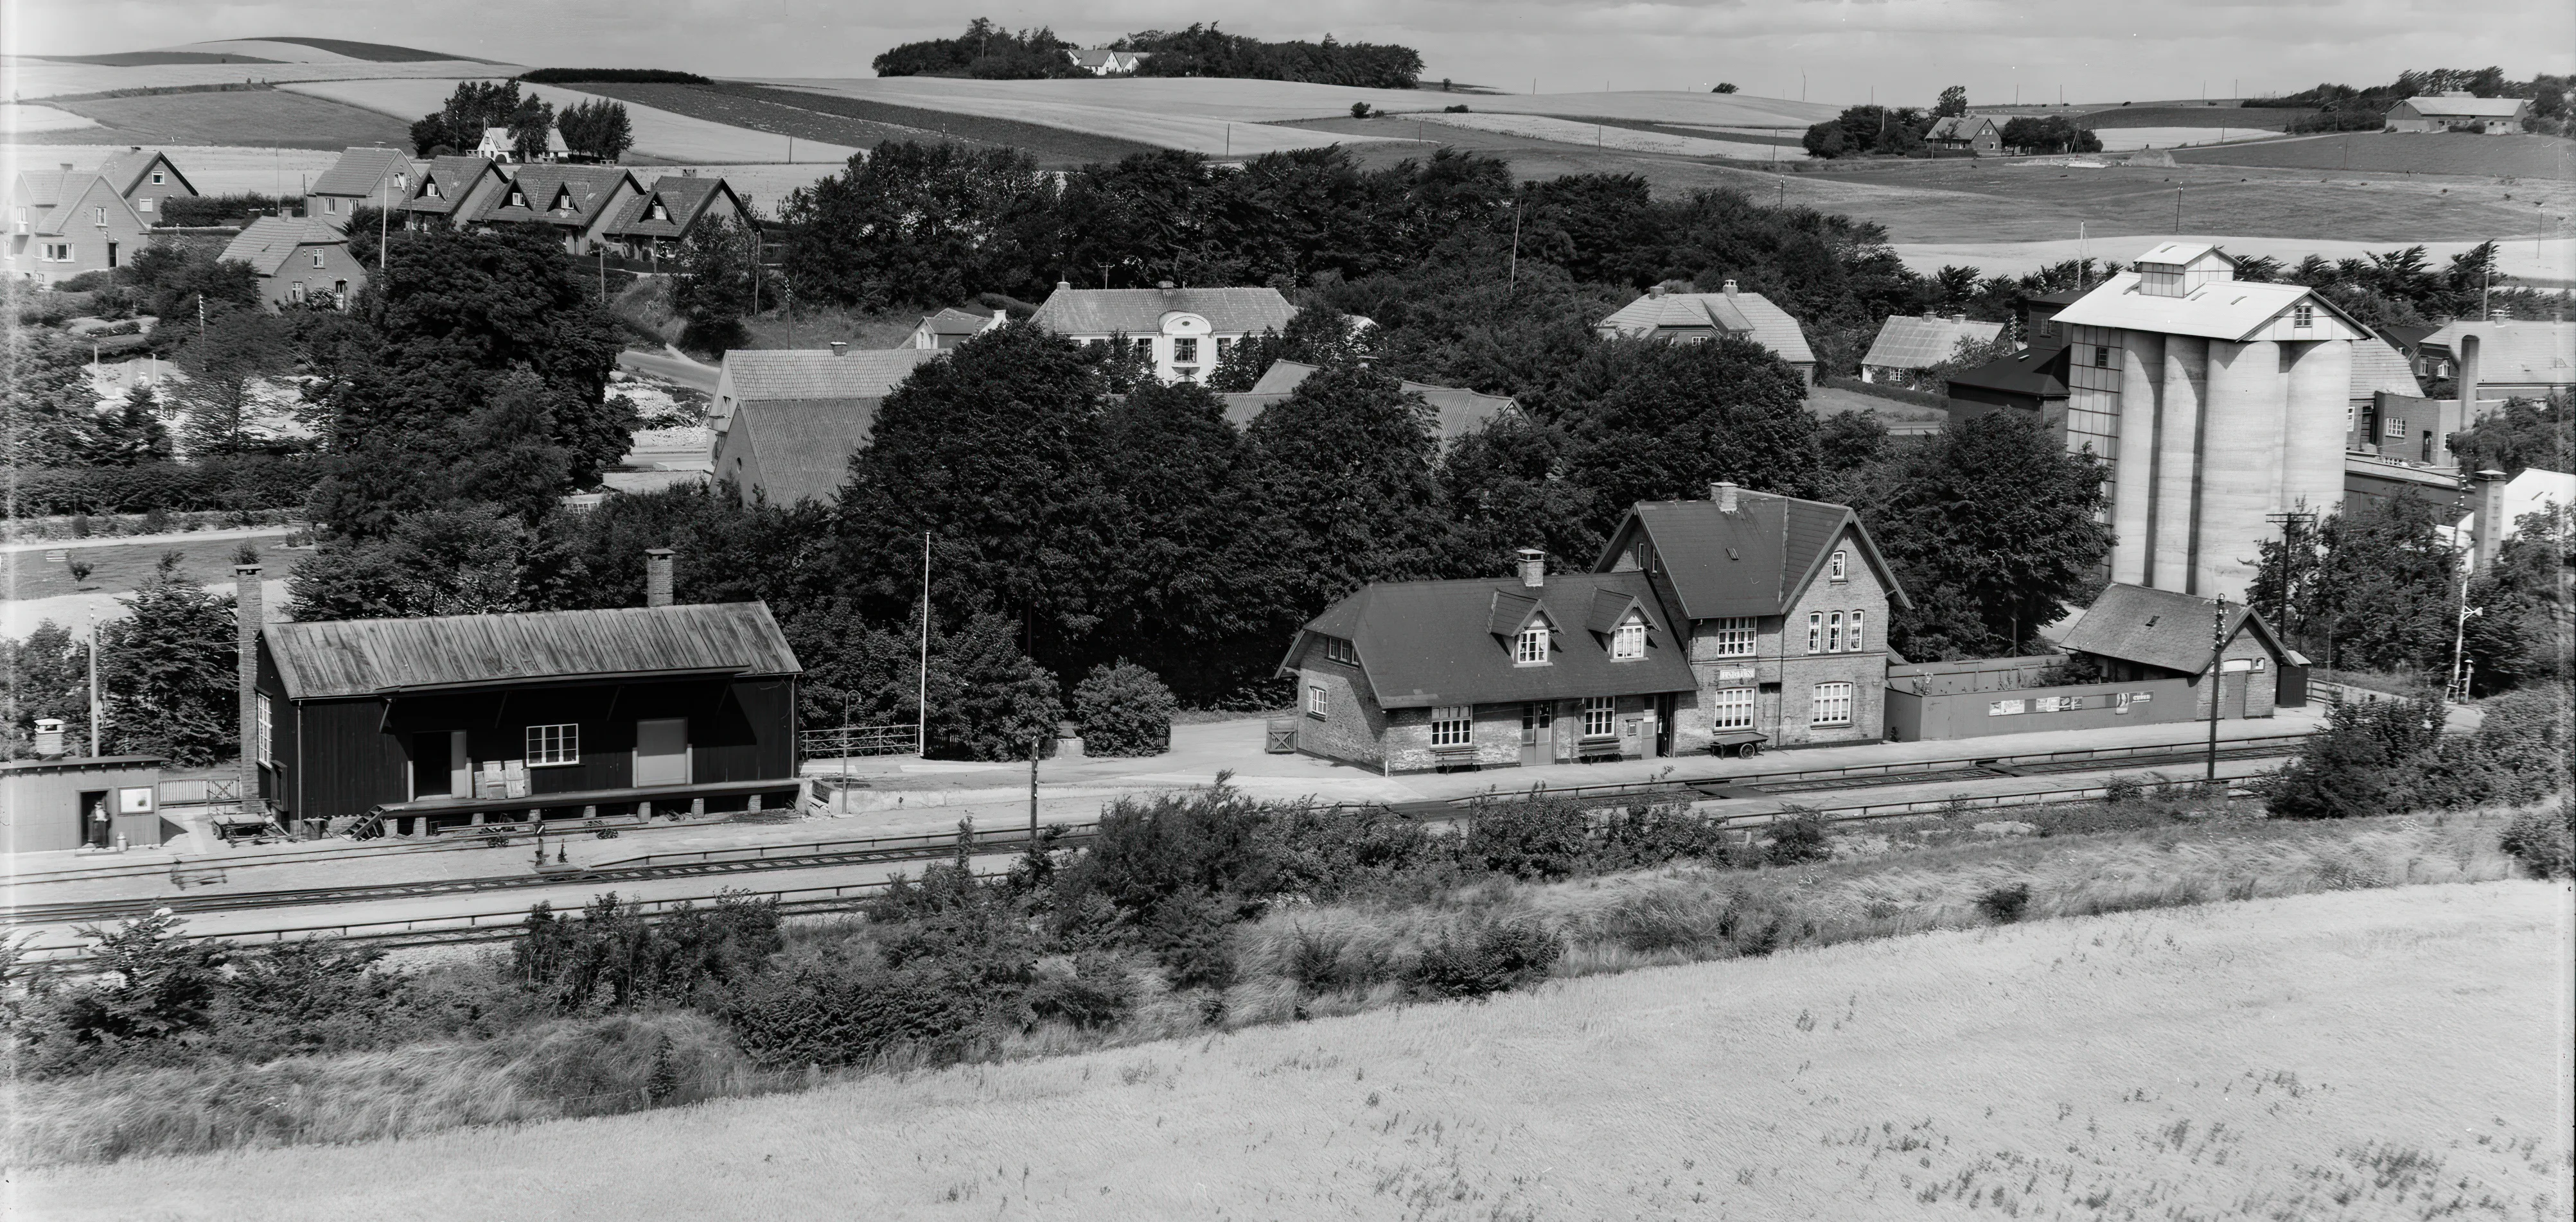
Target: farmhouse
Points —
{"points": [[299, 262], [787, 421], [451, 191], [2217, 402], [452, 719], [1907, 345], [499, 146], [1104, 61], [64, 224], [1455, 411], [363, 177], [2459, 111], [579, 202], [1964, 135], [952, 326], [1182, 332], [2137, 633], [652, 225], [1692, 317], [145, 177]]}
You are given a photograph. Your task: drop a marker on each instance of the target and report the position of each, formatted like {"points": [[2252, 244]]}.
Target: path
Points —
{"points": [[672, 364]]}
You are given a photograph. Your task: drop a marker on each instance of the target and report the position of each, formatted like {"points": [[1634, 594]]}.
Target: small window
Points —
{"points": [[157, 179], [1815, 632], [430, 188], [58, 252], [1338, 650], [1185, 350], [1841, 565], [98, 216], [2396, 430], [2304, 316], [264, 728], [1732, 638], [1731, 708], [1317, 703], [144, 204], [1832, 705], [1453, 727], [555, 744], [1600, 715], [1532, 648], [2101, 357], [330, 205], [1834, 633], [1856, 642], [518, 198], [1629, 642], [317, 258], [1224, 348]]}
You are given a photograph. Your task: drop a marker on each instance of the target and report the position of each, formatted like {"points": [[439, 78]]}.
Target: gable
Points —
{"points": [[1756, 561]]}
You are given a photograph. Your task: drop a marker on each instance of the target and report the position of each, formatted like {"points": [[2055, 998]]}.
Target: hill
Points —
{"points": [[2139, 1065], [2550, 158]]}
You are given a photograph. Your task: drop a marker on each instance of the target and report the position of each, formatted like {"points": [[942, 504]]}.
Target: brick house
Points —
{"points": [[1964, 136], [577, 202], [1540, 668], [65, 224], [145, 177], [299, 262], [1785, 602], [362, 178], [653, 224], [451, 191], [2139, 632]]}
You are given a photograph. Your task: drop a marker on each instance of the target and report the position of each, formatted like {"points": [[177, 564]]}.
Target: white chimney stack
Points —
{"points": [[1533, 567], [49, 738], [1723, 493], [840, 347], [1730, 286], [657, 577], [2487, 525]]}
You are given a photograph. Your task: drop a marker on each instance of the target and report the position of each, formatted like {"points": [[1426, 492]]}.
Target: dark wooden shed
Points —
{"points": [[640, 704]]}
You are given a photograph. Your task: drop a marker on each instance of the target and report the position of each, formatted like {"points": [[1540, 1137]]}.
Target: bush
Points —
{"points": [[1799, 836], [189, 211], [1653, 835], [2004, 905], [843, 1012], [2544, 840], [1534, 837], [2364, 762], [1482, 960], [1332, 961], [1328, 851], [225, 482], [1123, 710]]}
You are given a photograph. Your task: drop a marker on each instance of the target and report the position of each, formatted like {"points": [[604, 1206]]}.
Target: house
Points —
{"points": [[363, 177], [452, 190], [64, 224], [1692, 317], [446, 720], [1907, 345], [2504, 358], [1103, 61], [2216, 403], [299, 262], [499, 145], [952, 326], [655, 222], [577, 202], [787, 421], [2459, 111], [1455, 411], [2032, 380], [1183, 332], [2137, 633], [2039, 317], [145, 177], [1964, 135]]}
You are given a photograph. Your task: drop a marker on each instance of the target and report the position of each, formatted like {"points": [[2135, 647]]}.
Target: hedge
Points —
{"points": [[248, 481]]}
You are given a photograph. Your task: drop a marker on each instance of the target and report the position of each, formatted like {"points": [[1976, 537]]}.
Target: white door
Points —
{"points": [[662, 751]]}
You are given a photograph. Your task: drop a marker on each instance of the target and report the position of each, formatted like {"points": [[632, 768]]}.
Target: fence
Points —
{"points": [[843, 742], [201, 792]]}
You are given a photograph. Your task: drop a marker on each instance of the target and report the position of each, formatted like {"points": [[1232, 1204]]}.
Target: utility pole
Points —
{"points": [[1512, 282], [96, 713], [2458, 689], [1034, 745], [921, 699], [2177, 209], [2217, 680]]}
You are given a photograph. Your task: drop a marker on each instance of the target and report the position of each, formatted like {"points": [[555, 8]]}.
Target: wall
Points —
{"points": [[40, 809], [148, 194], [1865, 670], [90, 243], [2095, 706], [1353, 724], [338, 266]]}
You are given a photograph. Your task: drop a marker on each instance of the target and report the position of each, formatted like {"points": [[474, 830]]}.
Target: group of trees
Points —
{"points": [[165, 675], [2403, 287], [596, 128], [992, 52], [2347, 108], [1901, 130]]}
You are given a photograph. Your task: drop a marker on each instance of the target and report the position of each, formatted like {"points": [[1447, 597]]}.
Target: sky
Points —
{"points": [[1893, 51]]}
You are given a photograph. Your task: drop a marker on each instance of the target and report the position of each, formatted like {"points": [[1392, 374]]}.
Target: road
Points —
{"points": [[671, 365]]}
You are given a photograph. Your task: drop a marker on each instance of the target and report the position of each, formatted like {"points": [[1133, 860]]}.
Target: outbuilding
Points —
{"points": [[95, 802], [2142, 633]]}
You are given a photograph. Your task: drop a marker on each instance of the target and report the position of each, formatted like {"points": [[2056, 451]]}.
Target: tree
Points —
{"points": [[2517, 635], [2373, 587], [1824, 140], [1989, 527], [173, 277], [712, 284], [2054, 134], [159, 986], [133, 432], [530, 123], [473, 107], [1123, 710], [1172, 599], [2525, 433], [988, 700], [1954, 101], [220, 401], [51, 410], [1317, 335], [167, 671], [919, 224], [597, 128], [463, 559], [1660, 421], [1724, 87], [48, 675], [1506, 487]]}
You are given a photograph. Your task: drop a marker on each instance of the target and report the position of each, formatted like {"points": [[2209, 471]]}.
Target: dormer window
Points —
{"points": [[660, 213], [518, 198], [1628, 642], [1338, 650], [1531, 648], [430, 189], [563, 199], [1840, 566]]}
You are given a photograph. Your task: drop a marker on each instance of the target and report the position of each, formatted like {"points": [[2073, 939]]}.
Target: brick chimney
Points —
{"points": [[1533, 567], [1723, 493], [248, 613], [657, 577], [840, 347], [2487, 525]]}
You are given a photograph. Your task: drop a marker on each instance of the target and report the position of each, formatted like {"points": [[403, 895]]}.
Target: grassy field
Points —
{"points": [[2544, 157], [40, 79], [2143, 1065], [1243, 101], [658, 133], [2189, 116], [865, 124], [261, 116], [1113, 116], [1627, 136], [18, 121], [126, 566]]}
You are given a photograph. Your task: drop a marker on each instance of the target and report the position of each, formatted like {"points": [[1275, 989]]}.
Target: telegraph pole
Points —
{"points": [[921, 701], [96, 714], [2290, 522], [2217, 680]]}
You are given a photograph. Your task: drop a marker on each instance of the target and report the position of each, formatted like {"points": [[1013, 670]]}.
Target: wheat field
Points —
{"points": [[658, 133], [2356, 1054]]}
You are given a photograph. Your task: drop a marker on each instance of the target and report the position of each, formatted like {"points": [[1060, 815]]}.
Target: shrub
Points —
{"points": [[1332, 961], [2004, 905], [1094, 994], [1359, 110], [2544, 840], [1653, 835], [2122, 789], [1123, 710], [1485, 959], [1799, 836], [840, 1011], [235, 482], [2361, 763], [1328, 851], [1532, 837]]}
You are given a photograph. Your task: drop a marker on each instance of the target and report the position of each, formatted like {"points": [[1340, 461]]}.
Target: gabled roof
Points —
{"points": [[1229, 311], [1755, 561], [358, 171], [954, 321], [388, 656], [683, 197], [1456, 410], [2377, 365], [1907, 342], [814, 373], [53, 199], [1750, 315], [271, 240], [2221, 309], [571, 195], [1426, 643], [1958, 127], [456, 178], [2443, 107], [803, 446], [2180, 254], [2165, 628], [2514, 352], [124, 171], [2036, 372]]}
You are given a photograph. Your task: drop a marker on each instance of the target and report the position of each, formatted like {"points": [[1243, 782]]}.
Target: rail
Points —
{"points": [[850, 742]]}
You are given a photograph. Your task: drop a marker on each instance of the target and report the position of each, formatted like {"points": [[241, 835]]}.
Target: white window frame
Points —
{"points": [[1815, 631], [1601, 717], [1185, 350], [157, 180], [554, 745], [1530, 648], [1856, 641], [1731, 708], [57, 252], [1834, 632], [2304, 316], [1453, 726], [1830, 704], [98, 215], [330, 205], [1841, 565], [1319, 703], [1628, 641], [317, 259], [265, 728], [1337, 649], [1738, 637], [1224, 349], [144, 204]]}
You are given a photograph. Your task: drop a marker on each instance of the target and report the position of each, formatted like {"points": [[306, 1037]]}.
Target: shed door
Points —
{"points": [[662, 751]]}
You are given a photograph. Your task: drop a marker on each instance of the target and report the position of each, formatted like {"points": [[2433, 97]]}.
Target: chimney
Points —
{"points": [[1001, 317], [247, 617], [1533, 567], [1729, 289], [688, 171], [1062, 284], [657, 577], [840, 347], [2487, 526], [1656, 291], [1164, 285], [1723, 493], [2467, 381], [49, 738]]}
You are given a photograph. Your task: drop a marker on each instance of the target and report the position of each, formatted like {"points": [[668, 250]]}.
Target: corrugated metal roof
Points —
{"points": [[2225, 309], [2164, 628], [2515, 352], [1229, 311], [378, 656], [803, 446], [814, 373], [1455, 410], [1907, 342], [272, 240], [358, 171], [1424, 643], [1755, 561], [1747, 314]]}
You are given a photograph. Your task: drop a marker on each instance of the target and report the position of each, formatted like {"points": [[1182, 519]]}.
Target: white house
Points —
{"points": [[1686, 318], [497, 145], [1100, 61], [2459, 111], [952, 326], [1183, 332]]}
